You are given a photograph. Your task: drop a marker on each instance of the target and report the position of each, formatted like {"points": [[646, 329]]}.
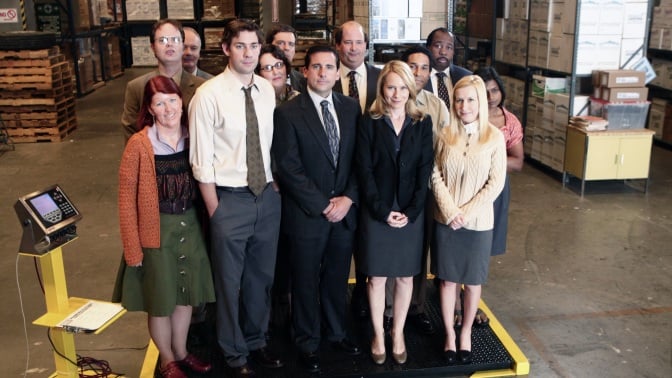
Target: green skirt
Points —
{"points": [[177, 273]]}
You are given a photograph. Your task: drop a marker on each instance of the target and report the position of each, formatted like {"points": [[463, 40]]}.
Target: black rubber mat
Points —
{"points": [[425, 353]]}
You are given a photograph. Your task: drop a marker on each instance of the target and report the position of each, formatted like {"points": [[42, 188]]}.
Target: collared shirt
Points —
{"points": [[435, 82], [162, 148], [317, 101], [217, 129], [360, 79], [432, 105]]}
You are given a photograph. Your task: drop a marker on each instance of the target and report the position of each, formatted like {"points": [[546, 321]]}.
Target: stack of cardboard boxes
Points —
{"points": [[620, 97], [609, 34]]}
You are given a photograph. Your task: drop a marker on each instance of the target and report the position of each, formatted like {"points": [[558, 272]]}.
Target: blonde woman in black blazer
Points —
{"points": [[394, 160]]}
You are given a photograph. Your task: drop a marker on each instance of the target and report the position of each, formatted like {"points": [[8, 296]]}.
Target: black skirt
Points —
{"points": [[501, 226], [387, 251]]}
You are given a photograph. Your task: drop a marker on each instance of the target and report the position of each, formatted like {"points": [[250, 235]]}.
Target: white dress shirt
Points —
{"points": [[217, 129]]}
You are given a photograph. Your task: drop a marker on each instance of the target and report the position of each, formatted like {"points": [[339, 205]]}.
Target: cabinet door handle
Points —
{"points": [[616, 159], [622, 159]]}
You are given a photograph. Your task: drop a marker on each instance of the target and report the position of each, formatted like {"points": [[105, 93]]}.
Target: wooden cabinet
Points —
{"points": [[607, 155]]}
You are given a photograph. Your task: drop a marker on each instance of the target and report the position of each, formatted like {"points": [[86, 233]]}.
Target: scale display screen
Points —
{"points": [[51, 208]]}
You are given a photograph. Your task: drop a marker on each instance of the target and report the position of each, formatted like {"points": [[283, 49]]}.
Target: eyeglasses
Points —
{"points": [[269, 67], [164, 40]]}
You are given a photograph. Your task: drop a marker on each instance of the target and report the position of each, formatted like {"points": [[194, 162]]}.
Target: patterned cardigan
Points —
{"points": [[139, 219]]}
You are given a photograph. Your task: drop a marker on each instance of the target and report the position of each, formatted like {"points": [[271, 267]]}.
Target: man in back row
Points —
{"points": [[284, 36], [192, 53], [358, 80], [167, 43], [441, 43]]}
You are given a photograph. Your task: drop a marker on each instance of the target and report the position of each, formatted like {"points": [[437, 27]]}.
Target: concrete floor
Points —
{"points": [[585, 288]]}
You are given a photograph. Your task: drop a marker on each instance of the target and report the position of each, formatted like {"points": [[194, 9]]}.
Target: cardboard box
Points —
{"points": [[624, 94], [137, 10], [589, 11], [634, 20], [667, 124], [542, 85], [434, 6], [180, 9], [500, 28], [611, 18], [218, 9], [657, 119], [622, 78]]}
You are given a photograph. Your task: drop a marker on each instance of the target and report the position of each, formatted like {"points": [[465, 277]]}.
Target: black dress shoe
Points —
{"points": [[464, 356], [310, 361], [423, 323], [346, 346], [244, 371], [450, 356], [264, 358]]}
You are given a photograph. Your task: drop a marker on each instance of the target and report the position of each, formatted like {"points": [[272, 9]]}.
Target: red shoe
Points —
{"points": [[172, 370], [195, 364]]}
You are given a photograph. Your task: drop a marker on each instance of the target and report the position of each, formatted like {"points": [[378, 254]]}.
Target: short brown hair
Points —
{"points": [[234, 27]]}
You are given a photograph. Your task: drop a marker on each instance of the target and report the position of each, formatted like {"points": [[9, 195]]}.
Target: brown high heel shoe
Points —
{"points": [[400, 358], [378, 359]]}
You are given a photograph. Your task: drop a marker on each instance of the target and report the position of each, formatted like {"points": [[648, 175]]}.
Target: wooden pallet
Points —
{"points": [[39, 115], [29, 54], [64, 91], [35, 105], [40, 78], [33, 62], [41, 134]]}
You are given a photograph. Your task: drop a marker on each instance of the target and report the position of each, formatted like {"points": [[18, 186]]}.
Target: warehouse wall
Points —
{"points": [[18, 25]]}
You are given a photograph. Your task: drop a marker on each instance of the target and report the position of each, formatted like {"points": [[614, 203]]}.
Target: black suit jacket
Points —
{"points": [[371, 83], [304, 164], [382, 174], [456, 73]]}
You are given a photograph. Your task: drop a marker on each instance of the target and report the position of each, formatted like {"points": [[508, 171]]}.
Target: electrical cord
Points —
{"points": [[87, 365], [23, 316], [84, 364]]}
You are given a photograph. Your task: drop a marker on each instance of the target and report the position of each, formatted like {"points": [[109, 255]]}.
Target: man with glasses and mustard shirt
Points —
{"points": [[167, 43]]}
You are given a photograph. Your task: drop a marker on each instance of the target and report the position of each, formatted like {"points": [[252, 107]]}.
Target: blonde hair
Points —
{"points": [[379, 107], [452, 132]]}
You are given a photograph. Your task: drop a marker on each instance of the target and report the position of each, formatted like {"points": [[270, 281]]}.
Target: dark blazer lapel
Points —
{"points": [[338, 87], [389, 143], [314, 124]]}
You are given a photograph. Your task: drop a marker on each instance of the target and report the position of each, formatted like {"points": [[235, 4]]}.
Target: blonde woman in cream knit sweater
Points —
{"points": [[469, 173]]}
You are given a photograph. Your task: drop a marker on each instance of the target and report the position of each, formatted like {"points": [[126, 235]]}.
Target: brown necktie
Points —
{"points": [[352, 86], [442, 89], [256, 174]]}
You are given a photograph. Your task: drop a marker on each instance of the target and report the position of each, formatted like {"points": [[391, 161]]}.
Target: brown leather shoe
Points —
{"points": [[193, 363], [172, 370]]}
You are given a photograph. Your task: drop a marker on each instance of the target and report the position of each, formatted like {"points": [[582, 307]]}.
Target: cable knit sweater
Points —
{"points": [[138, 199], [469, 179]]}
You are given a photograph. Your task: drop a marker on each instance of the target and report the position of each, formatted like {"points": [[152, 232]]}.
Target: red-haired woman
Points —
{"points": [[167, 270]]}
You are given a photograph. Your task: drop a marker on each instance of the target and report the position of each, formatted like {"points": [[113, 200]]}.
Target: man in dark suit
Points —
{"points": [[441, 43], [358, 80], [167, 42], [313, 147]]}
